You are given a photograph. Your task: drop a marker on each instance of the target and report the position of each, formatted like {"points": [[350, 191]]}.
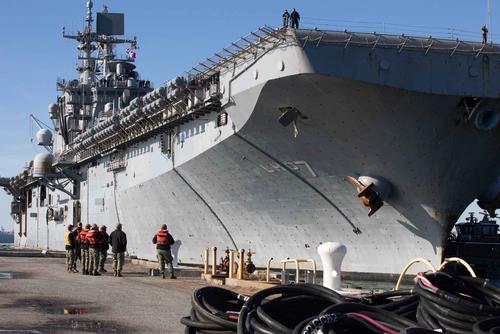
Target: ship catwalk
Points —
{"points": [[270, 145]]}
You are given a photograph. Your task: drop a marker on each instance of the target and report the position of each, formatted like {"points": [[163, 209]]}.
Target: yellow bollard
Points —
{"points": [[205, 261], [214, 260], [241, 263]]}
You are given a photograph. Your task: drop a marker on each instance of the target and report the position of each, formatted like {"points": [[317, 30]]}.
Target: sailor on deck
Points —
{"points": [[294, 19], [485, 34], [286, 18]]}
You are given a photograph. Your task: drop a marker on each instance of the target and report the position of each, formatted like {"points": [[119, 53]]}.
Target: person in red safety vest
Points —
{"points": [[163, 241], [93, 242], [82, 236]]}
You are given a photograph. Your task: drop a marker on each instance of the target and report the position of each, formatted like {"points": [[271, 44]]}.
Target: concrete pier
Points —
{"points": [[37, 295]]}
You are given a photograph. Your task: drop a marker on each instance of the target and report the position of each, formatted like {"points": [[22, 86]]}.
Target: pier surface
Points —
{"points": [[37, 295]]}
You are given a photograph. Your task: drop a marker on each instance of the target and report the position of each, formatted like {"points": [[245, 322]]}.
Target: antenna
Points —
{"points": [[89, 18], [489, 19]]}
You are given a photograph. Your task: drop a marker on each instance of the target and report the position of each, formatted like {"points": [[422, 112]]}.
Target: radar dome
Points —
{"points": [[42, 165], [44, 137], [53, 111]]}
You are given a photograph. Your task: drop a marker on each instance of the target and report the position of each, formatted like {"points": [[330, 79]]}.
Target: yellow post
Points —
{"points": [[214, 260], [241, 263], [231, 263], [205, 261]]}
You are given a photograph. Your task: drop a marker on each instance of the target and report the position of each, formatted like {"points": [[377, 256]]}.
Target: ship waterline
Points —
{"points": [[421, 122]]}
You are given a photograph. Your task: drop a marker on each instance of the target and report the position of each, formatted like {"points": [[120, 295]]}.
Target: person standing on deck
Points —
{"points": [[485, 35], [103, 248], [294, 19], [85, 249], [118, 242], [69, 243], [286, 18], [163, 241]]}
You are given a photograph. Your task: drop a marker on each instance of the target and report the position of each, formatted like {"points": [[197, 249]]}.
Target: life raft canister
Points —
{"points": [[162, 237]]}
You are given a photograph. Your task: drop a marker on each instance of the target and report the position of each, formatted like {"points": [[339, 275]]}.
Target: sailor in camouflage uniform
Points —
{"points": [[69, 243], [84, 249], [93, 242]]}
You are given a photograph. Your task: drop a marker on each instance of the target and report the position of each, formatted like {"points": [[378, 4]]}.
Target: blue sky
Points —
{"points": [[173, 36]]}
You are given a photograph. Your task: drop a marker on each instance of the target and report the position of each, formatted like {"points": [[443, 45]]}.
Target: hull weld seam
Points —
{"points": [[355, 229], [207, 205]]}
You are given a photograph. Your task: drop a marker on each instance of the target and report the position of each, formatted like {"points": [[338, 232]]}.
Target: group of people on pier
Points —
{"points": [[90, 245]]}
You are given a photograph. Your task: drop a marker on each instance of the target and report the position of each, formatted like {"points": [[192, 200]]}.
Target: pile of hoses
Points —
{"points": [[213, 310], [438, 302], [458, 304]]}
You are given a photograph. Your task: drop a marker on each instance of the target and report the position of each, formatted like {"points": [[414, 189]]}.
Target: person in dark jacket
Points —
{"points": [[294, 19], [103, 248], [78, 249], [163, 241], [118, 242], [286, 18]]}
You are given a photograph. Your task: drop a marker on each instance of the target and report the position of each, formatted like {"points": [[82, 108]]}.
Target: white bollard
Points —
{"points": [[331, 254]]}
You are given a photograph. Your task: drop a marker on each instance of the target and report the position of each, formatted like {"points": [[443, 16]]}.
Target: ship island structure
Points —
{"points": [[283, 140]]}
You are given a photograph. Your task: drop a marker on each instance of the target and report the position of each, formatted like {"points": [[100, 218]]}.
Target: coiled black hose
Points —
{"points": [[453, 303], [401, 302], [487, 326], [260, 315], [214, 310], [438, 301]]}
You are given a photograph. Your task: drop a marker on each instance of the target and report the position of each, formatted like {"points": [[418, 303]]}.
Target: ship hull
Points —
{"points": [[282, 190]]}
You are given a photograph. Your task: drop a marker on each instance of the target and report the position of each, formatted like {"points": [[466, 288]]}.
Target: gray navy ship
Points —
{"points": [[285, 139]]}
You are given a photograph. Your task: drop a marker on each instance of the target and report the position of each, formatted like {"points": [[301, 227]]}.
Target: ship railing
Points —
{"points": [[152, 117], [249, 45], [316, 37]]}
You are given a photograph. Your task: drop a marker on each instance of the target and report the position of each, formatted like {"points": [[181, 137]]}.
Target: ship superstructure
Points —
{"points": [[271, 144]]}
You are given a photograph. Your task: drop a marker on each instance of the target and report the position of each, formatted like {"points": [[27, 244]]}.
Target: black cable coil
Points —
{"points": [[456, 304], [303, 308], [438, 302], [213, 310]]}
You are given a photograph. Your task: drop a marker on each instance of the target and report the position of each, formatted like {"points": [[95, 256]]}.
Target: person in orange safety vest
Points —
{"points": [[163, 240]]}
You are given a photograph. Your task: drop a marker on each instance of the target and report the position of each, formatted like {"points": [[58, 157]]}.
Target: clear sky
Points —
{"points": [[173, 36]]}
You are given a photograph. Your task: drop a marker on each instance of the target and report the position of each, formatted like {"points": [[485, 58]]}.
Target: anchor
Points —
{"points": [[371, 191]]}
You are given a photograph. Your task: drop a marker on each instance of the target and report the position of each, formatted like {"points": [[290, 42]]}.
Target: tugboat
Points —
{"points": [[478, 243]]}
